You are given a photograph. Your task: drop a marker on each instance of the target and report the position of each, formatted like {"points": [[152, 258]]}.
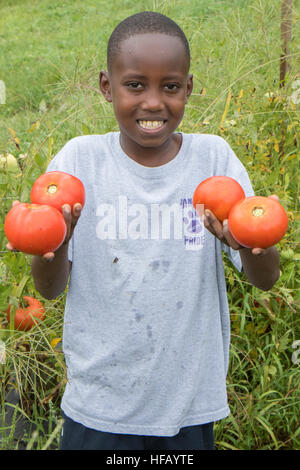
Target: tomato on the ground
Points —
{"points": [[26, 318]]}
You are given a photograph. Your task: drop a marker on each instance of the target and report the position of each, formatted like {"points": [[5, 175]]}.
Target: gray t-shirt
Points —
{"points": [[146, 327]]}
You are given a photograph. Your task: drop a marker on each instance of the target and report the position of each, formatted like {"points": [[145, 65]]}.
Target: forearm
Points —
{"points": [[51, 278], [261, 270]]}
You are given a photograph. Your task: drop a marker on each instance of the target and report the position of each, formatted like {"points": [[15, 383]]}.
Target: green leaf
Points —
{"points": [[39, 160], [85, 129], [268, 429], [17, 290], [283, 343]]}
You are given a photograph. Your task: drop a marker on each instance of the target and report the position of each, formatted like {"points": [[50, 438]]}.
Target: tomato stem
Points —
{"points": [[52, 188], [258, 211]]}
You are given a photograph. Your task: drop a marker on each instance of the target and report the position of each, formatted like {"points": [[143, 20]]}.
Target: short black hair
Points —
{"points": [[142, 23]]}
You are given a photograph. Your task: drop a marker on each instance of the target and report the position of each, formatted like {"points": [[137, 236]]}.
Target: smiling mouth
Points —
{"points": [[151, 125]]}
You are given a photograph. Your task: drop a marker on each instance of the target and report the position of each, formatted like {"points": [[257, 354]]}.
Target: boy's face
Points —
{"points": [[148, 85]]}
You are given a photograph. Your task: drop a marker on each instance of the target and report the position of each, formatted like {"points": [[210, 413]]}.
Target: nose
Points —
{"points": [[152, 100]]}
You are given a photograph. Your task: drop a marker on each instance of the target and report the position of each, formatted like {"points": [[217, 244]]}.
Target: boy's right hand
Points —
{"points": [[71, 219]]}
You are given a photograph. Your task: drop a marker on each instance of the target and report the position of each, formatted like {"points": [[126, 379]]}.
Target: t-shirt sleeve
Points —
{"points": [[65, 160], [235, 169]]}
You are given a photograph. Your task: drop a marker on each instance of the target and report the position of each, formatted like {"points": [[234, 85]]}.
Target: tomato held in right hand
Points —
{"points": [[57, 188], [35, 229], [218, 194], [258, 222]]}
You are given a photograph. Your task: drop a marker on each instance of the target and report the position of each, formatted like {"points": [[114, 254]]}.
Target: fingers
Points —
{"points": [[212, 224], [274, 197], [77, 208], [235, 245], [259, 251], [66, 210], [71, 218], [48, 257], [10, 247], [219, 230], [229, 238]]}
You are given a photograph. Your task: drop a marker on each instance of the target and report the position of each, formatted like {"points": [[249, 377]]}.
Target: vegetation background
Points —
{"points": [[51, 55]]}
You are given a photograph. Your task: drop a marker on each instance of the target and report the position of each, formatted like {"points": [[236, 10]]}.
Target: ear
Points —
{"points": [[104, 84], [189, 87]]}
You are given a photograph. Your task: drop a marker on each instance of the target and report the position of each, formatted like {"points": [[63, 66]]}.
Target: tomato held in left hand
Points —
{"points": [[257, 222], [57, 188], [26, 318], [218, 194]]}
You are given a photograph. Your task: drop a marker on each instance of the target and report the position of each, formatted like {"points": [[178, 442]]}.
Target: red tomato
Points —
{"points": [[57, 188], [35, 229], [26, 318], [218, 194], [258, 222]]}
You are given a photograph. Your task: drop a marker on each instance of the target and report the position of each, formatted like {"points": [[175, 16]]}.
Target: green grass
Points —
{"points": [[51, 55]]}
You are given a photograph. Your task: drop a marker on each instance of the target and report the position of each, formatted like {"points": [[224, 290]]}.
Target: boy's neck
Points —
{"points": [[152, 156]]}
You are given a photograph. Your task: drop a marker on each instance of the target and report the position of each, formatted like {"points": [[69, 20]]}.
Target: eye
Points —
{"points": [[172, 87], [134, 85]]}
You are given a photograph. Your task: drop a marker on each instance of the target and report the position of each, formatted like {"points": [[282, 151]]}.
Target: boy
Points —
{"points": [[146, 328]]}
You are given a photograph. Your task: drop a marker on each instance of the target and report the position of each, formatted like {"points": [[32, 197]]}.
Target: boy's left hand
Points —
{"points": [[221, 231]]}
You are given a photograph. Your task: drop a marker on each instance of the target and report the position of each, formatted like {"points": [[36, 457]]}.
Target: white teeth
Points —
{"points": [[151, 124]]}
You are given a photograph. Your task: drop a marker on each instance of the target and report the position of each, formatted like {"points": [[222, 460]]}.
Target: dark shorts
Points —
{"points": [[75, 436]]}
